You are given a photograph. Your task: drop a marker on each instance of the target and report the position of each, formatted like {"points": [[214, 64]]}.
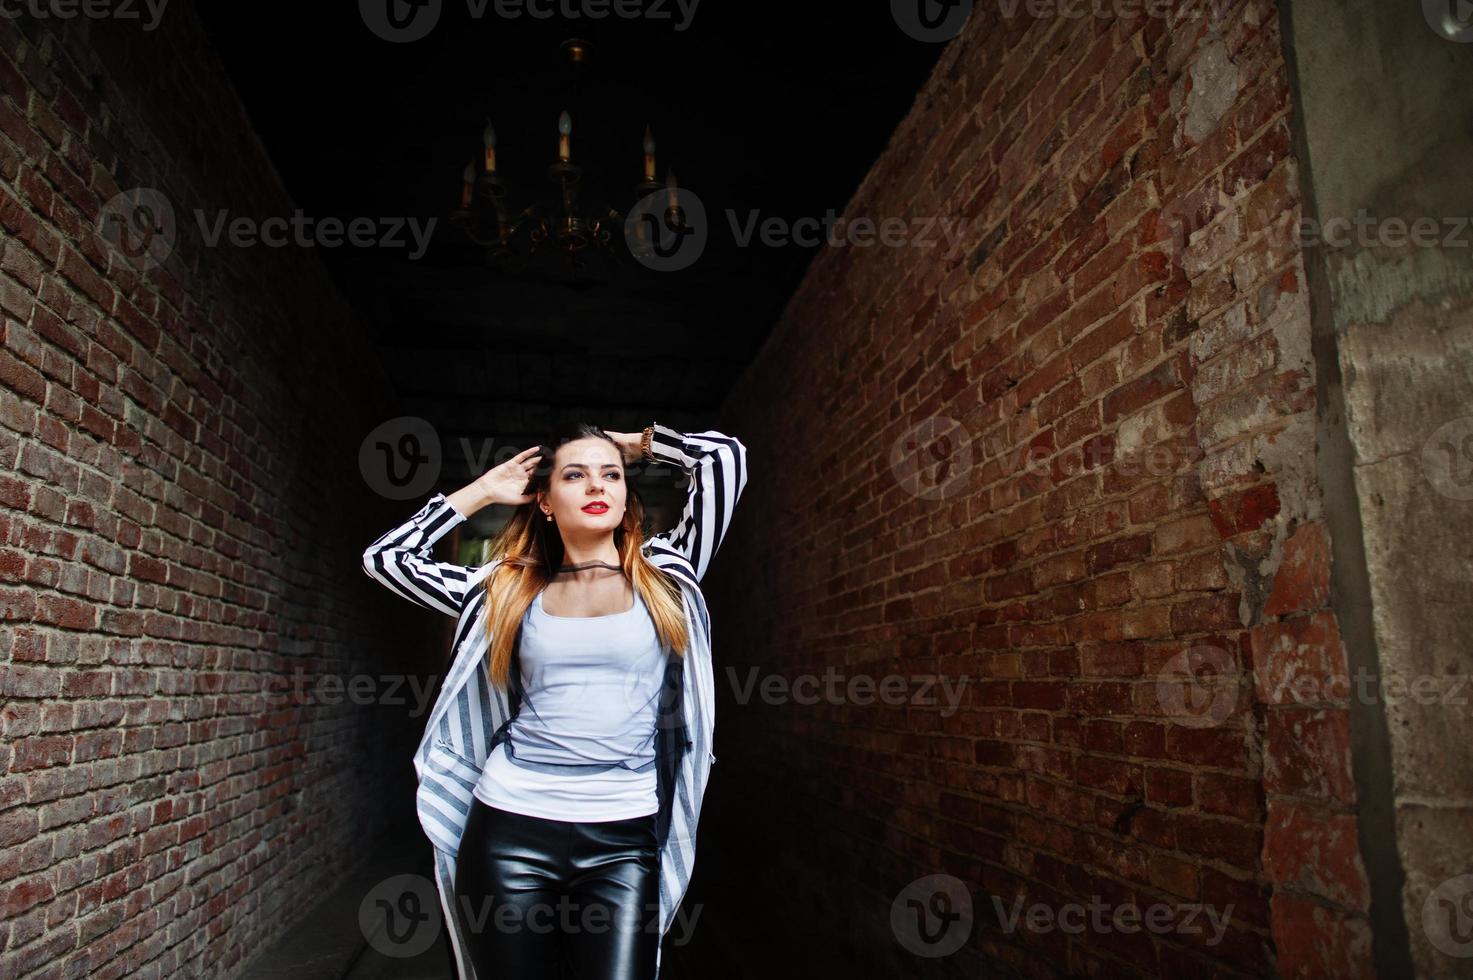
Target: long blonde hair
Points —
{"points": [[530, 547]]}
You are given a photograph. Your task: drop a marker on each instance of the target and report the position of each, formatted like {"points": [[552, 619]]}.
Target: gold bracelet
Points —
{"points": [[644, 443]]}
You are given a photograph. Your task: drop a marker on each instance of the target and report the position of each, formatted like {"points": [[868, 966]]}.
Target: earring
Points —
{"points": [[549, 515]]}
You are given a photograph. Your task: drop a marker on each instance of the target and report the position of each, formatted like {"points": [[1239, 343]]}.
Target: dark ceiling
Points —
{"points": [[777, 113]]}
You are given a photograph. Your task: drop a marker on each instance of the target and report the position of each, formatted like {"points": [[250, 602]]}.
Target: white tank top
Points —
{"points": [[591, 689]]}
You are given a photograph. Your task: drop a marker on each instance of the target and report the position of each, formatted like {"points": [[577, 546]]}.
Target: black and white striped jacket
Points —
{"points": [[470, 716]]}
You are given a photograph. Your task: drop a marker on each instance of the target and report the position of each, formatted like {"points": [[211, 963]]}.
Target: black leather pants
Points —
{"points": [[542, 899]]}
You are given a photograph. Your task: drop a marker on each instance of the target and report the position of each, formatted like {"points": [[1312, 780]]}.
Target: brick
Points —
{"points": [[1245, 510], [1105, 337], [1172, 875], [1146, 739], [1109, 775], [1301, 661], [1186, 534], [1042, 379], [1112, 660], [1302, 582], [1105, 591], [1133, 395], [1316, 941], [1107, 555], [1235, 369], [1146, 621], [1223, 748], [1204, 614], [1233, 796], [1168, 787], [1220, 333], [1307, 754], [1100, 736], [1254, 164], [1200, 572], [1232, 841], [1307, 848]]}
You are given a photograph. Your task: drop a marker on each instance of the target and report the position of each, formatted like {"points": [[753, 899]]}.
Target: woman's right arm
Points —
{"points": [[403, 559]]}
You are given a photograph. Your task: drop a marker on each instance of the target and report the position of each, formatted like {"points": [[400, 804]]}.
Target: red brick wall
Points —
{"points": [[1118, 355], [182, 519]]}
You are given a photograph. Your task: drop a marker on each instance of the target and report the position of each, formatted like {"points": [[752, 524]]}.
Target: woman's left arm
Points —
{"points": [[717, 466]]}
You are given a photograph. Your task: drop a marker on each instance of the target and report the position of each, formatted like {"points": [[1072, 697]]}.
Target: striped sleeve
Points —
{"points": [[402, 560], [717, 465]]}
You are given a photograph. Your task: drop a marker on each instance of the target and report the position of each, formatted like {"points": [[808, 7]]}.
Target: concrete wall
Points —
{"points": [[1385, 134]]}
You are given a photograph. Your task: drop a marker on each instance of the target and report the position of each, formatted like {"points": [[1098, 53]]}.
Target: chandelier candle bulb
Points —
{"points": [[671, 199], [558, 219], [564, 139]]}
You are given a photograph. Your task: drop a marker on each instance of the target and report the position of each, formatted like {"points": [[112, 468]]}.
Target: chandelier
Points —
{"points": [[562, 225]]}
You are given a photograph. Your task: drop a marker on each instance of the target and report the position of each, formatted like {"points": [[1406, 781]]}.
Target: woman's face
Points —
{"points": [[586, 473]]}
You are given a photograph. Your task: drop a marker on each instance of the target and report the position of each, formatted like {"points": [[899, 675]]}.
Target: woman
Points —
{"points": [[567, 831]]}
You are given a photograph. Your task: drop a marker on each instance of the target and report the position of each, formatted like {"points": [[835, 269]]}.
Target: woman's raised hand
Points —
{"points": [[628, 443], [504, 483]]}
